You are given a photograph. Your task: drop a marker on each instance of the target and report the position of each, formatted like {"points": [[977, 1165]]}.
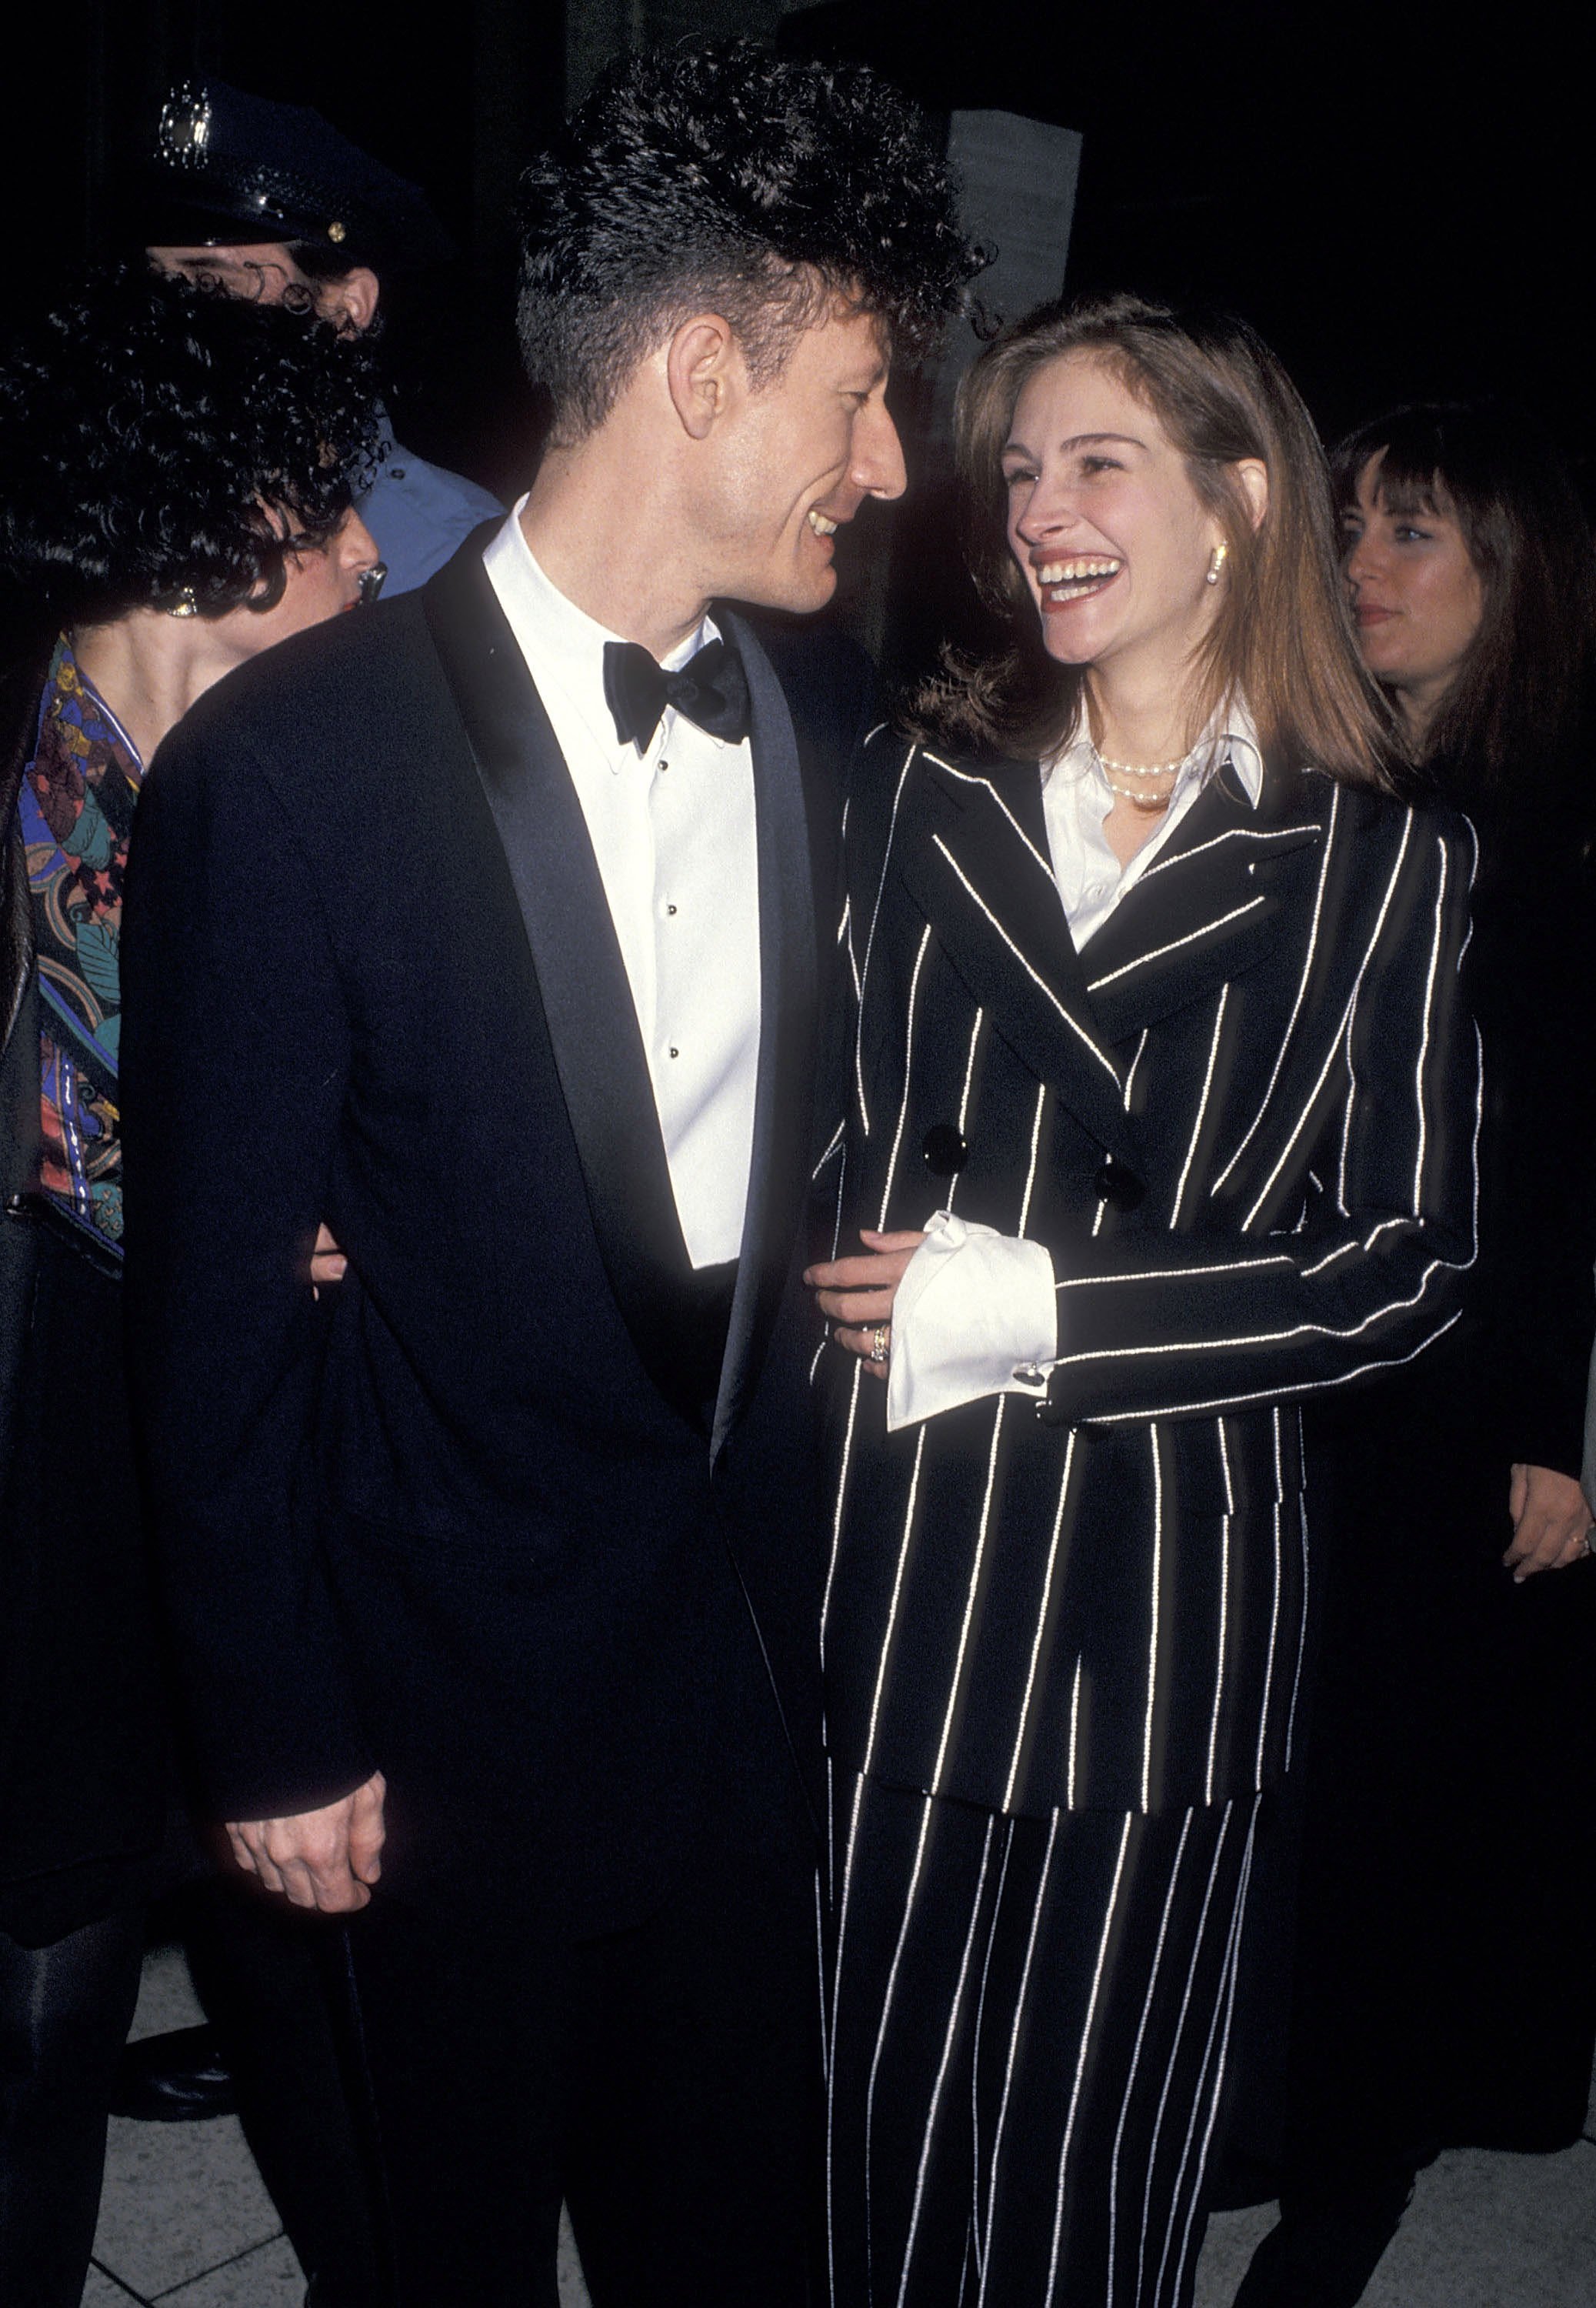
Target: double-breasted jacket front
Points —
{"points": [[1241, 1120]]}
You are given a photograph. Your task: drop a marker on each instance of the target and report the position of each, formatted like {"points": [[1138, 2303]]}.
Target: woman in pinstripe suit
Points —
{"points": [[1161, 1119]]}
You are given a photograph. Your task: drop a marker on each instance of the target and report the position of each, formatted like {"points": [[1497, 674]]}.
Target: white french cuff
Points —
{"points": [[975, 1314]]}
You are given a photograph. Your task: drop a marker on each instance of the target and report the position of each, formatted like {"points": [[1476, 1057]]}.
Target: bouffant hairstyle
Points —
{"points": [[1283, 639], [160, 440], [723, 179], [1521, 709]]}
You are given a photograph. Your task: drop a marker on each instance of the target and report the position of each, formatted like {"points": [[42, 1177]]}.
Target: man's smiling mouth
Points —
{"points": [[821, 524]]}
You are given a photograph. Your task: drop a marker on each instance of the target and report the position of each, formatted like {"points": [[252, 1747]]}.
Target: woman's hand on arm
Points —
{"points": [[856, 1294], [1550, 1519]]}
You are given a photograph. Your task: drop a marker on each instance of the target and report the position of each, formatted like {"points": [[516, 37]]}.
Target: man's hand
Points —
{"points": [[857, 1294], [1550, 1519], [328, 1858]]}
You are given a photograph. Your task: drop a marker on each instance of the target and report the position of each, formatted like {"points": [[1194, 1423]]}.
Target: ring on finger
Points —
{"points": [[878, 1338]]}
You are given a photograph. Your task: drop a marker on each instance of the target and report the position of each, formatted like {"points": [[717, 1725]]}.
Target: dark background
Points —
{"points": [[1396, 195]]}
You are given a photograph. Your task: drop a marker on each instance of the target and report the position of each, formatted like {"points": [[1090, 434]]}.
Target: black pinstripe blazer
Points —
{"points": [[1242, 1120]]}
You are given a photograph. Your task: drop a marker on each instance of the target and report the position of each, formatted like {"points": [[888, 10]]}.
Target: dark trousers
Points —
{"points": [[663, 2079], [65, 2012], [1029, 2029]]}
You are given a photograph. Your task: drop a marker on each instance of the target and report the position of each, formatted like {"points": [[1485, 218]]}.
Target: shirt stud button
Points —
{"points": [[670, 909], [676, 1054]]}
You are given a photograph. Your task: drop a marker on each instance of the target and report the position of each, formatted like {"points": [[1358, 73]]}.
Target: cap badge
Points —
{"points": [[184, 131]]}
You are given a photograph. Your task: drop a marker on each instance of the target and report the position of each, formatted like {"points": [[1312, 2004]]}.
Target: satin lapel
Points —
{"points": [[977, 864], [788, 993], [581, 978], [1209, 906]]}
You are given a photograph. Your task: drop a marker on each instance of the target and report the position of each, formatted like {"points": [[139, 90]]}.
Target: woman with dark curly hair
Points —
{"points": [[176, 472], [1444, 1992]]}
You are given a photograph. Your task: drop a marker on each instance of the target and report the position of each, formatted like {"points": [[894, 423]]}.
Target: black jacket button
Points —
{"points": [[1118, 1186], [945, 1151]]}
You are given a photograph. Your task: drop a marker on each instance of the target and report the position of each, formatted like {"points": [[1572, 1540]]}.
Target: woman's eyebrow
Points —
{"points": [[1076, 441]]}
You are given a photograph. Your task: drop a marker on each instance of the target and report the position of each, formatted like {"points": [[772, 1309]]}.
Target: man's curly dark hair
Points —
{"points": [[160, 439], [723, 178]]}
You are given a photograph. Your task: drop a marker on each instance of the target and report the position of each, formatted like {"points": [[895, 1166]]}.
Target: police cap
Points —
{"points": [[227, 167]]}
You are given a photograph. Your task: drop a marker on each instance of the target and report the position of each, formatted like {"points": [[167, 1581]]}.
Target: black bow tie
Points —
{"points": [[711, 689]]}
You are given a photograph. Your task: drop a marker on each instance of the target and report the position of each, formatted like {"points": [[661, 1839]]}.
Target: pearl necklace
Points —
{"points": [[1151, 804]]}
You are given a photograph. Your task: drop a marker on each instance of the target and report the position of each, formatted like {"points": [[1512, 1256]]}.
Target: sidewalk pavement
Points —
{"points": [[185, 2221]]}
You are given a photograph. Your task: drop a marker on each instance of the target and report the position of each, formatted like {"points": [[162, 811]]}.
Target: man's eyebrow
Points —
{"points": [[1076, 441]]}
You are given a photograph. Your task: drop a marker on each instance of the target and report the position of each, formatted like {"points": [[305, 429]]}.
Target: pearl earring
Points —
{"points": [[1216, 561]]}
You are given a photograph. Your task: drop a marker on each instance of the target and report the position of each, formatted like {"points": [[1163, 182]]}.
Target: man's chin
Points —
{"points": [[798, 595]]}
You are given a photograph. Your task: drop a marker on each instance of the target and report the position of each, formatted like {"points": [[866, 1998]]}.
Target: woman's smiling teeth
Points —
{"points": [[1072, 581], [819, 524]]}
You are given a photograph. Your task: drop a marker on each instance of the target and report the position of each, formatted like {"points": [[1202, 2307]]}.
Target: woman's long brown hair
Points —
{"points": [[1282, 638]]}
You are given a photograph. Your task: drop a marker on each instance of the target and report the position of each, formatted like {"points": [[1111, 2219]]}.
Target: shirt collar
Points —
{"points": [[556, 637], [1231, 735]]}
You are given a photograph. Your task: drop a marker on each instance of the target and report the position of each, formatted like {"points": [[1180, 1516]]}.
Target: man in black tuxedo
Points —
{"points": [[490, 929]]}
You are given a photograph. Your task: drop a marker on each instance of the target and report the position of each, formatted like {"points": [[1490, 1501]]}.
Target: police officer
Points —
{"points": [[270, 201]]}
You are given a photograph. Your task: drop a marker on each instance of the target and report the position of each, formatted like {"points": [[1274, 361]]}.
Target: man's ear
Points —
{"points": [[1252, 478], [702, 365], [350, 301]]}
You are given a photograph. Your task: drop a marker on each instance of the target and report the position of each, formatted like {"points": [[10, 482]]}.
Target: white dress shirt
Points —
{"points": [[976, 1312], [673, 831]]}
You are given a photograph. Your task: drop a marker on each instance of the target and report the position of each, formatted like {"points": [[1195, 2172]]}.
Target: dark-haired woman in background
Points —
{"points": [[176, 477], [1445, 1994], [1159, 1043]]}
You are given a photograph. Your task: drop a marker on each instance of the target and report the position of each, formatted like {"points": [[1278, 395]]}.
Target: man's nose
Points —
{"points": [[357, 547], [879, 466]]}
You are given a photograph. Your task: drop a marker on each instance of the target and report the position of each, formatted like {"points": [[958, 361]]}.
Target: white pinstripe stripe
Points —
{"points": [[842, 1495], [870, 942], [887, 2002], [1343, 1250], [1014, 2037], [884, 1659], [964, 1101], [1175, 2042], [1025, 1211], [1290, 834], [1042, 1617], [1257, 1338], [948, 2039], [1075, 1730], [1224, 1609], [1157, 952], [1379, 931], [903, 1111], [975, 2049], [1313, 940], [1196, 1127], [842, 1934], [1180, 1273], [963, 1633], [1349, 1115], [967, 778], [1040, 983], [1228, 1998], [1136, 2056], [1134, 1062], [1080, 2064], [1279, 1393], [1301, 1496], [1274, 1608], [837, 1136], [1429, 997], [1155, 1438], [1223, 2008]]}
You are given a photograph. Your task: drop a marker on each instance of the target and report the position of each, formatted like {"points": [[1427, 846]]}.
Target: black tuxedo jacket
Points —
{"points": [[458, 1522], [1242, 1119]]}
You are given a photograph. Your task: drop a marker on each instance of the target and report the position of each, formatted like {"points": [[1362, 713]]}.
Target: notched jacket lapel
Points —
{"points": [[1210, 905], [581, 978], [975, 860]]}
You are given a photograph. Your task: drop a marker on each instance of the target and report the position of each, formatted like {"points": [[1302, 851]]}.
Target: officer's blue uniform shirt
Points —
{"points": [[418, 514]]}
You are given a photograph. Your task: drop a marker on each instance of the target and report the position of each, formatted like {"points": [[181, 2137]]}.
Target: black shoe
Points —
{"points": [[1329, 2245], [177, 2077]]}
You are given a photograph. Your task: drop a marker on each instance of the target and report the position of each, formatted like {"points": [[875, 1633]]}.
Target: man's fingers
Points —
{"points": [[859, 1342], [856, 1308]]}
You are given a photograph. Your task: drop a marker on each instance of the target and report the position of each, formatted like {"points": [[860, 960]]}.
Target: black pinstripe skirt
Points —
{"points": [[1028, 2024]]}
